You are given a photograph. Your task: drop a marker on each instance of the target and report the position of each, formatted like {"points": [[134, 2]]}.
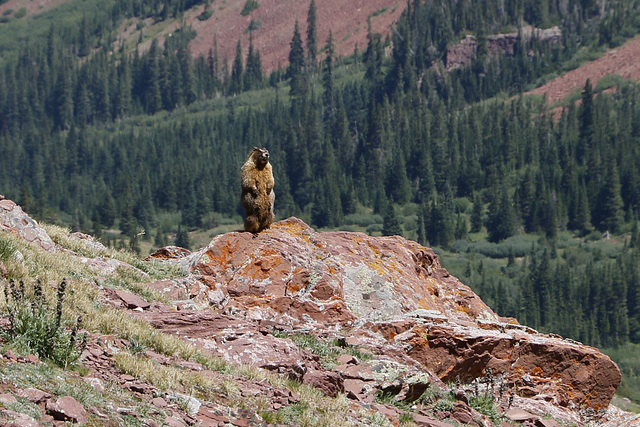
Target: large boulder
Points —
{"points": [[330, 277], [387, 290]]}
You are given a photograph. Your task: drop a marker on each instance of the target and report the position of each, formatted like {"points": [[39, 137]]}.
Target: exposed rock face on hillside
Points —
{"points": [[12, 218], [463, 53], [389, 294]]}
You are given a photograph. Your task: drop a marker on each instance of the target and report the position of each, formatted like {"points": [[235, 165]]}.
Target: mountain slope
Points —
{"points": [[347, 19], [623, 61]]}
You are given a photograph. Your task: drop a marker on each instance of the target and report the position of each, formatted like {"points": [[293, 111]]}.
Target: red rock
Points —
{"points": [[293, 275], [355, 389], [67, 408], [575, 374], [11, 356], [131, 301], [240, 422], [13, 219], [386, 410], [159, 402], [236, 340], [8, 399], [32, 358], [33, 395], [517, 414], [169, 252], [9, 418], [279, 268], [423, 420], [174, 422], [345, 359], [96, 383], [330, 383]]}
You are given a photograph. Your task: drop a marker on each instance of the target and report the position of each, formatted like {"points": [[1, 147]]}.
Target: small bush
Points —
{"points": [[253, 25], [7, 249], [33, 328], [485, 403], [205, 15], [249, 7], [517, 245], [363, 219], [21, 13]]}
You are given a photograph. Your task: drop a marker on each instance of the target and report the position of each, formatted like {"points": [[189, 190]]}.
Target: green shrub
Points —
{"points": [[32, 327], [249, 7], [21, 13], [7, 248], [205, 15], [516, 245], [485, 403], [253, 25]]}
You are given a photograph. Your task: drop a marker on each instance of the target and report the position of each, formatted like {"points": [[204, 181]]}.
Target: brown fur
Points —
{"points": [[257, 191]]}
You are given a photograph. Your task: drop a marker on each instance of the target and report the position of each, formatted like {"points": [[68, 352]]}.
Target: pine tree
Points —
{"points": [[391, 225], [253, 75], [312, 36], [296, 71], [476, 213], [327, 82], [586, 123], [501, 219], [237, 71], [610, 206], [182, 238]]}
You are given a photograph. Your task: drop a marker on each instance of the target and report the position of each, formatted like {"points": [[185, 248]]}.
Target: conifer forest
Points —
{"points": [[535, 206]]}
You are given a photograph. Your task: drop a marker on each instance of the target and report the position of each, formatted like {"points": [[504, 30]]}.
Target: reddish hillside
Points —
{"points": [[32, 6], [347, 19], [624, 61]]}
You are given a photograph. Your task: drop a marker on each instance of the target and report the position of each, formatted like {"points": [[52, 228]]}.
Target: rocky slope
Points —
{"points": [[373, 320]]}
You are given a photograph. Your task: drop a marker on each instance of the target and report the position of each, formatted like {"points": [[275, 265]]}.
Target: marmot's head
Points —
{"points": [[260, 157]]}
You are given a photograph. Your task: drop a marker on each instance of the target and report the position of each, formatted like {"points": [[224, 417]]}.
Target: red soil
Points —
{"points": [[32, 6], [624, 61], [347, 19]]}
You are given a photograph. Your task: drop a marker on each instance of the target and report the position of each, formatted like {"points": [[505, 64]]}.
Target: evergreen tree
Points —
{"points": [[182, 238], [477, 212], [296, 71], [312, 36], [328, 96], [501, 219], [253, 75], [609, 208], [391, 226], [237, 72]]}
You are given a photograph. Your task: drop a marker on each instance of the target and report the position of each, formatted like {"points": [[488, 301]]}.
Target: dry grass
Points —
{"points": [[84, 296]]}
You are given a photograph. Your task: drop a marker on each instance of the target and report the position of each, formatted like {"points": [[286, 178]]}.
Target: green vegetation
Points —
{"points": [[32, 328], [249, 7], [328, 351]]}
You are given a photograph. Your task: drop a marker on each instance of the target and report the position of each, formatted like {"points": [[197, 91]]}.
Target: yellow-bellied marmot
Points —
{"points": [[257, 191]]}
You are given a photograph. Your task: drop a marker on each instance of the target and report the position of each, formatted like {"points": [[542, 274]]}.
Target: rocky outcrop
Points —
{"points": [[393, 297], [376, 319], [293, 274], [461, 54], [13, 219]]}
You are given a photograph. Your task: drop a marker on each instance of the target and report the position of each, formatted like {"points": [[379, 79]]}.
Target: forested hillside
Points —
{"points": [[515, 195]]}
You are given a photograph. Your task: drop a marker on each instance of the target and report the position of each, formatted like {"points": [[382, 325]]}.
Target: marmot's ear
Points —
{"points": [[255, 149]]}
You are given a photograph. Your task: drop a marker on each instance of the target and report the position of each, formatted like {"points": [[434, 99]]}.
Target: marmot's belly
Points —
{"points": [[262, 205]]}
